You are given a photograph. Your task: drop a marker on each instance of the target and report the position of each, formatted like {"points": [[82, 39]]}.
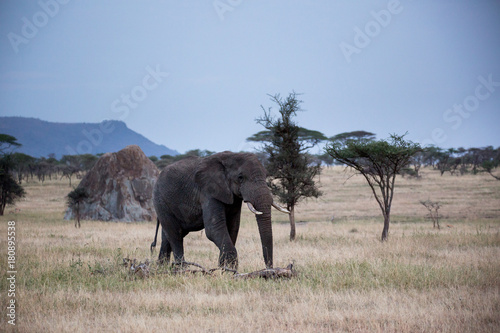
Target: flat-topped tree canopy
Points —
{"points": [[379, 161]]}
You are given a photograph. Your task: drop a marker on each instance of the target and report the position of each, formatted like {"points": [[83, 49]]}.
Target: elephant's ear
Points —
{"points": [[211, 178]]}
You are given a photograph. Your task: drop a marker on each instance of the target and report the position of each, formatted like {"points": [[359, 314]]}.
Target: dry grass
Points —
{"points": [[422, 279]]}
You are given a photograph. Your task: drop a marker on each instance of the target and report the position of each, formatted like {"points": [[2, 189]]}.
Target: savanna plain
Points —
{"points": [[421, 280]]}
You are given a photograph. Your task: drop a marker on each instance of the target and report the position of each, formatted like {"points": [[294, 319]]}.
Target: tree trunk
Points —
{"points": [[77, 214], [3, 201], [497, 178], [292, 223], [385, 232]]}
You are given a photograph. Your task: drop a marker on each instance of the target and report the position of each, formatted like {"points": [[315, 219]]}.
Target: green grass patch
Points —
{"points": [[364, 275]]}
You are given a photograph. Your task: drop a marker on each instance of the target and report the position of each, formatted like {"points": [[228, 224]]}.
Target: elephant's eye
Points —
{"points": [[241, 178]]}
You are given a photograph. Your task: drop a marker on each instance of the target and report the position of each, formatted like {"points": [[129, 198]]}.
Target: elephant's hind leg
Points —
{"points": [[165, 249], [172, 240]]}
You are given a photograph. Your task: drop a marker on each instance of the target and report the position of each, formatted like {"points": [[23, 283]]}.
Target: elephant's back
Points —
{"points": [[175, 186]]}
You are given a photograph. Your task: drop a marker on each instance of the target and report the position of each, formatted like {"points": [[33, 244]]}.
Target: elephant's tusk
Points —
{"points": [[281, 209], [253, 210]]}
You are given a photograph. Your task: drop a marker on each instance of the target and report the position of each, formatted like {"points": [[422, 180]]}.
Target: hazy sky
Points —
{"points": [[193, 74]]}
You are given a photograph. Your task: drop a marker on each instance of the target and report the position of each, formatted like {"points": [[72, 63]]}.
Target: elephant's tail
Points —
{"points": [[153, 245]]}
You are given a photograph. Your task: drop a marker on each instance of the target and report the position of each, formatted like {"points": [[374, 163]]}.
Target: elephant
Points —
{"points": [[207, 193]]}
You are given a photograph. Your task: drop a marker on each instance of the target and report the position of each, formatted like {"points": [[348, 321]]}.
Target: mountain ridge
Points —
{"points": [[40, 138]]}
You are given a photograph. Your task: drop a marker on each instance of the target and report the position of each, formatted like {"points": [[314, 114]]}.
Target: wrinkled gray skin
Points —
{"points": [[197, 193]]}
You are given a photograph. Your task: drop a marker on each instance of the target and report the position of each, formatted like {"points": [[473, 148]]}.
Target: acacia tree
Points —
{"points": [[354, 135], [22, 164], [70, 165], [7, 142], [75, 198], [10, 190], [489, 166], [290, 168], [379, 162], [433, 208]]}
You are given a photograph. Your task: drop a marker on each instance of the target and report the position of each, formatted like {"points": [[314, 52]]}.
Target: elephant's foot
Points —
{"points": [[228, 260]]}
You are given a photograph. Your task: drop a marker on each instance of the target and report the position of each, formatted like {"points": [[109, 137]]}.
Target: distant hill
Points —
{"points": [[40, 138]]}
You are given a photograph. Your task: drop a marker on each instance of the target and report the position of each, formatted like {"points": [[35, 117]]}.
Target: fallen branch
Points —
{"points": [[144, 270], [140, 270], [269, 273], [181, 269]]}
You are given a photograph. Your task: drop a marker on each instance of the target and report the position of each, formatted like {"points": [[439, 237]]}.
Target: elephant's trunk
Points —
{"points": [[262, 202], [263, 216], [266, 235], [259, 201]]}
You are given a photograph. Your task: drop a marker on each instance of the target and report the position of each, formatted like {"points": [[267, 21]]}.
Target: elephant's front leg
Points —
{"points": [[214, 218], [233, 215]]}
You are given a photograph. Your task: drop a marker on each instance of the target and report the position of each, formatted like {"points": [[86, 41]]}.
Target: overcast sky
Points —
{"points": [[193, 74]]}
